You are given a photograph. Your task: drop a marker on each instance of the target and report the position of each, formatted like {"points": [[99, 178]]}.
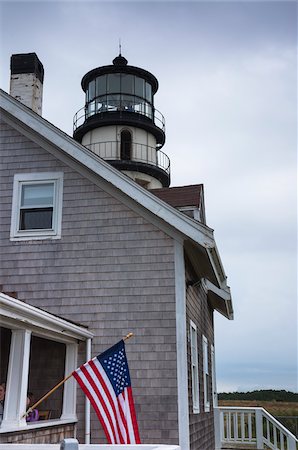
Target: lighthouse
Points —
{"points": [[120, 123]]}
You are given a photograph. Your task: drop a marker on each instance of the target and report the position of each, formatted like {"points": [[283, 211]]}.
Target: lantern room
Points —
{"points": [[120, 123]]}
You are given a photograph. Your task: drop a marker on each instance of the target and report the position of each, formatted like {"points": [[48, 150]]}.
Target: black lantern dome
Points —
{"points": [[120, 95]]}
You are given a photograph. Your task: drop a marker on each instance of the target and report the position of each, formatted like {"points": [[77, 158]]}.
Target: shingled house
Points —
{"points": [[95, 244]]}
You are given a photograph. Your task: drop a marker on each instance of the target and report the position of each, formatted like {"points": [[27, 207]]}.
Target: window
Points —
{"points": [[139, 87], [38, 350], [127, 84], [101, 85], [125, 152], [194, 367], [91, 90], [37, 206], [206, 375], [113, 83]]}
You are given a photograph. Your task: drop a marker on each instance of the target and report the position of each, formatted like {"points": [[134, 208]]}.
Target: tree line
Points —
{"points": [[265, 395]]}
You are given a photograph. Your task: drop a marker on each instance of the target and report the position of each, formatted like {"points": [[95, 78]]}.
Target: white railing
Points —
{"points": [[72, 444], [251, 427]]}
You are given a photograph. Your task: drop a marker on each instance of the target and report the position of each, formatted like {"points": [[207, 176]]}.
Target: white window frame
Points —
{"points": [[26, 321], [21, 180], [213, 378], [205, 374], [194, 368]]}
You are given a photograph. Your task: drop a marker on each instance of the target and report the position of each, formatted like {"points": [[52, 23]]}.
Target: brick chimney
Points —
{"points": [[26, 80]]}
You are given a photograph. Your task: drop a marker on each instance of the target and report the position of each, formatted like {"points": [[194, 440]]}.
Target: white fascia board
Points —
{"points": [[198, 232], [223, 296], [25, 313]]}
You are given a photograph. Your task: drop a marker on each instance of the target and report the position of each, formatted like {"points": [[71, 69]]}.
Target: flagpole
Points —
{"points": [[128, 336]]}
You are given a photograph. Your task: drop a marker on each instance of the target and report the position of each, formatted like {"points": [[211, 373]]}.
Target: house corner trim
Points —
{"points": [[182, 382]]}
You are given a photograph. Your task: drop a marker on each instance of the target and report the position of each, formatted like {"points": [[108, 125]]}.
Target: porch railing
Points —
{"points": [[251, 427]]}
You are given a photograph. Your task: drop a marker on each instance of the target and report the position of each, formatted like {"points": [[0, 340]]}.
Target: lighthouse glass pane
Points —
{"points": [[114, 82], [148, 110], [101, 85], [127, 84], [148, 92], [91, 90], [139, 87], [113, 102], [127, 103]]}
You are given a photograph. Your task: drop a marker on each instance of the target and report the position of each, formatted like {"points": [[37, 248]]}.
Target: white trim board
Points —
{"points": [[14, 309]]}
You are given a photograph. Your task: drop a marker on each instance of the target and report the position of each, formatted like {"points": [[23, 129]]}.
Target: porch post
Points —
{"points": [[69, 389], [17, 380], [217, 430], [259, 428]]}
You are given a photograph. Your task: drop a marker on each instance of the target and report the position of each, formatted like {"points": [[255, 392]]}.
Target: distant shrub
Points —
{"points": [[262, 395]]}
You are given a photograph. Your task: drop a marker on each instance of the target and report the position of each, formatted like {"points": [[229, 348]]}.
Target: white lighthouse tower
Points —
{"points": [[120, 124]]}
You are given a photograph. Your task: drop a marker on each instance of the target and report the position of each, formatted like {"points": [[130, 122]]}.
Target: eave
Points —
{"points": [[220, 299], [14, 312]]}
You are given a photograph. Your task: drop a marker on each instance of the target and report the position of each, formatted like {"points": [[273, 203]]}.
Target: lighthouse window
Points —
{"points": [[125, 145], [114, 82], [101, 85], [91, 90], [148, 92], [127, 84], [139, 87]]}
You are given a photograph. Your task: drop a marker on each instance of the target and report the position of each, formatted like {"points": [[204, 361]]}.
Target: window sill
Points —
{"points": [[38, 425], [34, 237]]}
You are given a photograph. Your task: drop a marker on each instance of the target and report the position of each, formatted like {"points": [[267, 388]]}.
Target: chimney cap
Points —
{"points": [[26, 63]]}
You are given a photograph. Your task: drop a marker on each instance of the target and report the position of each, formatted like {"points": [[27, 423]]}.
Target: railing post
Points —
{"points": [[291, 443], [218, 431], [259, 428]]}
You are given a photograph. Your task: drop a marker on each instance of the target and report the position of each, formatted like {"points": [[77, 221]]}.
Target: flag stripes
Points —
{"points": [[116, 413]]}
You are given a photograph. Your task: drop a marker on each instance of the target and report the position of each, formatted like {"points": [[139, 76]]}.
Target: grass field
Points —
{"points": [[274, 408]]}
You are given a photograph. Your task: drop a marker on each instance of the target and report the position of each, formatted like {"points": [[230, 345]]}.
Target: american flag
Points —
{"points": [[106, 382]]}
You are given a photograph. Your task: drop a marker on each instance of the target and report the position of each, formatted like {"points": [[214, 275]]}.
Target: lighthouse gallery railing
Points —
{"points": [[111, 150]]}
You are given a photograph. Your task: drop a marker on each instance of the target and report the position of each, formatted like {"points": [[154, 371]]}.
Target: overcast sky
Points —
{"points": [[227, 76]]}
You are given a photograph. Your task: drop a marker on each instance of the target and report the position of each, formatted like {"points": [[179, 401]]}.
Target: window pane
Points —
{"points": [[101, 85], [91, 90], [46, 369], [114, 82], [127, 103], [37, 194], [127, 84], [139, 87], [36, 219], [113, 102], [5, 338], [148, 92]]}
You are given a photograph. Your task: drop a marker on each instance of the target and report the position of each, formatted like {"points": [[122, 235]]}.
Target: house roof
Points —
{"points": [[201, 243], [180, 196]]}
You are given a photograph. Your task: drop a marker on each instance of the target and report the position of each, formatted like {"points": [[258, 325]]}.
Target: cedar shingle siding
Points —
{"points": [[201, 426], [112, 270]]}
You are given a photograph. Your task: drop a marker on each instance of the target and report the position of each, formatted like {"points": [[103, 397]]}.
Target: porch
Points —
{"points": [[250, 428]]}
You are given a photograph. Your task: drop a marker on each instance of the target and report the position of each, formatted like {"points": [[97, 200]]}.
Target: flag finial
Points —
{"points": [[128, 336]]}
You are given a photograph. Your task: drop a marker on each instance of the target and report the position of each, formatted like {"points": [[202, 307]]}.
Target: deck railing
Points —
{"points": [[251, 427]]}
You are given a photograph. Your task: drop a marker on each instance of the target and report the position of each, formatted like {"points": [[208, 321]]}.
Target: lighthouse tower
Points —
{"points": [[120, 124]]}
